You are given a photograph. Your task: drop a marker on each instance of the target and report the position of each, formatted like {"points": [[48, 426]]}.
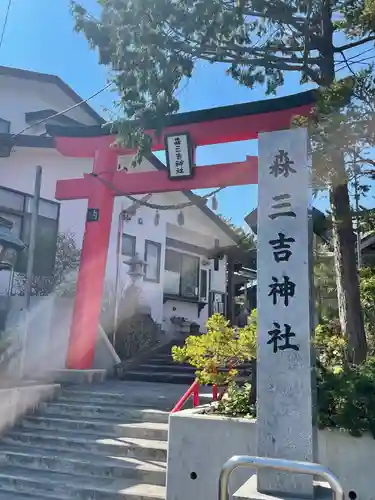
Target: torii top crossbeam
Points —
{"points": [[213, 126], [220, 125]]}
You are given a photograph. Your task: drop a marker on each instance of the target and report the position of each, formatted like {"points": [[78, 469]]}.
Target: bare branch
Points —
{"points": [[357, 43]]}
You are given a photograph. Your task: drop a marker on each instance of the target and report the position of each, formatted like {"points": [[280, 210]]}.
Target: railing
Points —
{"points": [[277, 464], [193, 391]]}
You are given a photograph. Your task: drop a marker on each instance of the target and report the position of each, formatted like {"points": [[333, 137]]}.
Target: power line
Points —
{"points": [[64, 111], [5, 23]]}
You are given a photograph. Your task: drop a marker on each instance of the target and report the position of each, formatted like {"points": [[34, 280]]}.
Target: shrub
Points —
{"points": [[346, 397], [216, 354], [367, 288], [345, 393], [330, 345], [236, 402]]}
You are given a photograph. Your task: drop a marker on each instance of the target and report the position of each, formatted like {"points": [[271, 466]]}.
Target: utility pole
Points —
{"points": [[33, 234], [30, 262]]}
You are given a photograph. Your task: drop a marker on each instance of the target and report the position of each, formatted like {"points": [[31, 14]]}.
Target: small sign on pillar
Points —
{"points": [[179, 153], [284, 370], [92, 215]]}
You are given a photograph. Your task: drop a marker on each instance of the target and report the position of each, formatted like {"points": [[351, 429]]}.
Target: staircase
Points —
{"points": [[105, 442], [161, 368]]}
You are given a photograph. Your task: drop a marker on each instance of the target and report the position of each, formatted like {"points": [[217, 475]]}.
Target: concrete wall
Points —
{"points": [[18, 401], [47, 337], [203, 443]]}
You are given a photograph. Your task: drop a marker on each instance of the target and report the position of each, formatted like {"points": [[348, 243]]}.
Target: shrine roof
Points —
{"points": [[226, 123], [321, 225]]}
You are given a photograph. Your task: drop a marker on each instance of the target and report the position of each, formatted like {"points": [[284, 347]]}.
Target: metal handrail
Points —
{"points": [[193, 390], [278, 464]]}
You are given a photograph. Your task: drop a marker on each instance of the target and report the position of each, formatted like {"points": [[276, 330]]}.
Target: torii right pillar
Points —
{"points": [[284, 361]]}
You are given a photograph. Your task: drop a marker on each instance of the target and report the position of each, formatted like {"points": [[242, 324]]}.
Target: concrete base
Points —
{"points": [[249, 491], [78, 376], [16, 402]]}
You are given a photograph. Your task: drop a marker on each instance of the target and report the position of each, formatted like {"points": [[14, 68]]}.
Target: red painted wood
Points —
{"points": [[73, 189], [204, 133], [88, 299], [211, 176]]}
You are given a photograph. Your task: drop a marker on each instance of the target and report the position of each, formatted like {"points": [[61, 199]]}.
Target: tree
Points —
{"points": [[152, 45], [245, 238], [67, 260]]}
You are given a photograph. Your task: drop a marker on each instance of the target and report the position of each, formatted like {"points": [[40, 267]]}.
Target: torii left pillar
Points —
{"points": [[87, 305]]}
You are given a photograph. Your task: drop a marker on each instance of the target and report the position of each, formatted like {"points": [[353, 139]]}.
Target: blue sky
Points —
{"points": [[39, 37]]}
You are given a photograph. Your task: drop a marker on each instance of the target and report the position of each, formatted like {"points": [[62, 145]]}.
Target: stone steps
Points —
{"points": [[84, 464], [174, 377], [130, 447], [106, 412], [164, 367], [105, 442], [117, 398], [67, 487], [146, 430], [160, 367]]}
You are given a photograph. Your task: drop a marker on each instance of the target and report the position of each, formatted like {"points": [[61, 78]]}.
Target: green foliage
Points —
{"points": [[245, 238], [324, 282], [345, 393], [346, 398], [63, 278], [367, 287], [216, 354], [329, 343], [236, 402], [152, 46]]}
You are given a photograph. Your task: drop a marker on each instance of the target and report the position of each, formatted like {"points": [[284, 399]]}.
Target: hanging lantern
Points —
{"points": [[215, 204], [157, 218], [180, 218]]}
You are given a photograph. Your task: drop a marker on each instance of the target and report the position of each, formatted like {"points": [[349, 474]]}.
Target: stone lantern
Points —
{"points": [[136, 267], [10, 245]]}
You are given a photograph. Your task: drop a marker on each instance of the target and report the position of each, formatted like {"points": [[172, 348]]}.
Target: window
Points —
{"points": [[14, 206], [204, 285], [186, 268], [11, 199], [4, 126], [128, 245], [152, 257]]}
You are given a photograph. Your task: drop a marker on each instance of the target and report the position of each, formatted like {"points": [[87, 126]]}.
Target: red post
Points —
{"points": [[214, 392], [87, 305], [196, 395]]}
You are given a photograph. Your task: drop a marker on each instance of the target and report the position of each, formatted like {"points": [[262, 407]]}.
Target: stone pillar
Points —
{"points": [[284, 376]]}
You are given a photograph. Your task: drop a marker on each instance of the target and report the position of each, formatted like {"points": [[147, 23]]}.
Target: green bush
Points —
{"points": [[345, 394], [236, 402], [216, 354], [346, 397], [330, 345], [367, 288]]}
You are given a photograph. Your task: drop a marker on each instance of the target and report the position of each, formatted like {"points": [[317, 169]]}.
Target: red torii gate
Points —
{"points": [[212, 126]]}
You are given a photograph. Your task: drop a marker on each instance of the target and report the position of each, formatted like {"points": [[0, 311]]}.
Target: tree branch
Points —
{"points": [[354, 44]]}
